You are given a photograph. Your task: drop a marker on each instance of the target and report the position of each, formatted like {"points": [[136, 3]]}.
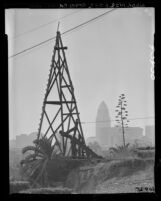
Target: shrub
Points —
{"points": [[58, 168], [122, 152], [127, 167], [145, 153], [146, 148], [16, 186], [45, 164]]}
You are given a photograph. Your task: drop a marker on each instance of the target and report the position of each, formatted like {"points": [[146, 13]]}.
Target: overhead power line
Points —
{"points": [[76, 27], [43, 25], [95, 122]]}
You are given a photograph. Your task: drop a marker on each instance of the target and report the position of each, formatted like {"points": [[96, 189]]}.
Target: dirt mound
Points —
{"points": [[85, 179]]}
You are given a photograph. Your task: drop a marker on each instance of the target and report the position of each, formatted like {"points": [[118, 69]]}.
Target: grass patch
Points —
{"points": [[127, 167], [131, 153], [16, 186], [49, 190], [145, 153]]}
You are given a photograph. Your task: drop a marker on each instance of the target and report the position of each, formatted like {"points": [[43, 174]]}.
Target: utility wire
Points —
{"points": [[88, 21], [43, 25], [34, 46], [90, 122]]}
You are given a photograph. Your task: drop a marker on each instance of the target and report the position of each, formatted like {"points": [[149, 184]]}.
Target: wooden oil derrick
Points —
{"points": [[60, 120]]}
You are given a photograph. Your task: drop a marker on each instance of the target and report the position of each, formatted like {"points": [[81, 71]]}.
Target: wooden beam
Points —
{"points": [[87, 149], [65, 86], [53, 131], [71, 113], [51, 85], [71, 90], [75, 107], [61, 123], [58, 102], [52, 121], [60, 48]]}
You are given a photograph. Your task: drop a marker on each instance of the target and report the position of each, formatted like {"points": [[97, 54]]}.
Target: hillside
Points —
{"points": [[116, 176]]}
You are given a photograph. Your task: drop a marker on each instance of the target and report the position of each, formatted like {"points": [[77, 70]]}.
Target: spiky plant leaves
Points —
{"points": [[42, 173], [127, 145], [28, 148], [35, 164], [33, 169], [113, 150], [120, 149], [32, 157], [36, 141]]}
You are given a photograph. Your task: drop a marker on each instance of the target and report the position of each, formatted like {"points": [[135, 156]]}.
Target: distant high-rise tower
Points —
{"points": [[103, 115], [103, 121]]}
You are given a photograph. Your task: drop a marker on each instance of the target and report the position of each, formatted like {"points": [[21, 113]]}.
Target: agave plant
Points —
{"points": [[122, 115], [34, 165], [119, 149]]}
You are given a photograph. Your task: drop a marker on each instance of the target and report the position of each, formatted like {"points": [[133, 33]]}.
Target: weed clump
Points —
{"points": [[16, 186]]}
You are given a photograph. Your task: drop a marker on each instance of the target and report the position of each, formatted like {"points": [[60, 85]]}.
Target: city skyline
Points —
{"points": [[102, 122]]}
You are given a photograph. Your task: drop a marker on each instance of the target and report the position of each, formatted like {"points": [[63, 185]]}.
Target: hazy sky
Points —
{"points": [[106, 57]]}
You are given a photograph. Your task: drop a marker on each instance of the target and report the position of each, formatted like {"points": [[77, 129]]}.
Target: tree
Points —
{"points": [[122, 114], [34, 165]]}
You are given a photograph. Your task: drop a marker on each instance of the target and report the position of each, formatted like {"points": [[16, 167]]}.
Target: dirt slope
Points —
{"points": [[128, 184]]}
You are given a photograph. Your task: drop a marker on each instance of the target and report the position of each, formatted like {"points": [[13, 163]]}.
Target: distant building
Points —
{"points": [[103, 116], [23, 140], [143, 141], [102, 122], [91, 140], [132, 134], [150, 133], [12, 143], [108, 136]]}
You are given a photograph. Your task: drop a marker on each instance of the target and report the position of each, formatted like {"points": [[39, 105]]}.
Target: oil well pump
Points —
{"points": [[60, 118]]}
